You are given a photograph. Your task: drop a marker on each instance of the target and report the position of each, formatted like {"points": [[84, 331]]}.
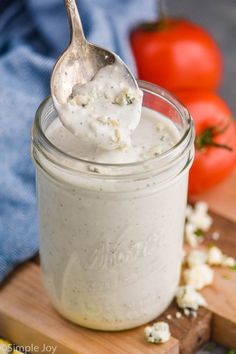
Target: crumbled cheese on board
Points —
{"points": [[215, 256], [188, 298], [198, 221], [199, 216], [228, 261], [199, 276], [190, 236], [196, 257], [215, 235], [198, 264], [159, 332], [178, 315]]}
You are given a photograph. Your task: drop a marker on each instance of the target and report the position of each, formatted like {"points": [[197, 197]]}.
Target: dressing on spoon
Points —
{"points": [[105, 111], [94, 93]]}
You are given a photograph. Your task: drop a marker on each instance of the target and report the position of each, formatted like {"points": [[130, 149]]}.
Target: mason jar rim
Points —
{"points": [[46, 147]]}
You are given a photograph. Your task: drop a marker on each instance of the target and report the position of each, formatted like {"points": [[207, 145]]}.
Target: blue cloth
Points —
{"points": [[33, 34]]}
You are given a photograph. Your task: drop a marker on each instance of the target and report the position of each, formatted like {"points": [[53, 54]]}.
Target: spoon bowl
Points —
{"points": [[80, 61]]}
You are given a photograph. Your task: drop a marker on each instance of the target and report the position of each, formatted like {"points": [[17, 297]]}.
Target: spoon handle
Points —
{"points": [[77, 33]]}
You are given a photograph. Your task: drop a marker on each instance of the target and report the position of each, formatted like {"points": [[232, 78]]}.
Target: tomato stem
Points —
{"points": [[206, 138], [163, 21]]}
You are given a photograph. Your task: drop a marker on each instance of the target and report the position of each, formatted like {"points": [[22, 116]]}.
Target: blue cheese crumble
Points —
{"points": [[189, 299], [159, 332]]}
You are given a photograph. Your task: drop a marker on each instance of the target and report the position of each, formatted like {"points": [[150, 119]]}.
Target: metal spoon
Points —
{"points": [[81, 60]]}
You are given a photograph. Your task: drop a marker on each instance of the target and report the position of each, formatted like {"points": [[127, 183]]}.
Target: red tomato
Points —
{"points": [[177, 54], [215, 142]]}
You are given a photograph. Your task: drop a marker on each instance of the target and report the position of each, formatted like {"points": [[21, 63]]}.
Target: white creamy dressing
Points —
{"points": [[104, 111], [111, 259], [110, 251], [154, 135]]}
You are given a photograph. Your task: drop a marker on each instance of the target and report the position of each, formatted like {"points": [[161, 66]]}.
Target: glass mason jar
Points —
{"points": [[111, 242]]}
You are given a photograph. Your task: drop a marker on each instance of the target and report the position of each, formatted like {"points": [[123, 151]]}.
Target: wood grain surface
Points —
{"points": [[221, 296]]}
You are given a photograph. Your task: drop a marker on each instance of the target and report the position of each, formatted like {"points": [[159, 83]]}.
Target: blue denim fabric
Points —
{"points": [[32, 34]]}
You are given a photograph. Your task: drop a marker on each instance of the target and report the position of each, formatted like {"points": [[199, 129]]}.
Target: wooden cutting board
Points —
{"points": [[26, 316]]}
